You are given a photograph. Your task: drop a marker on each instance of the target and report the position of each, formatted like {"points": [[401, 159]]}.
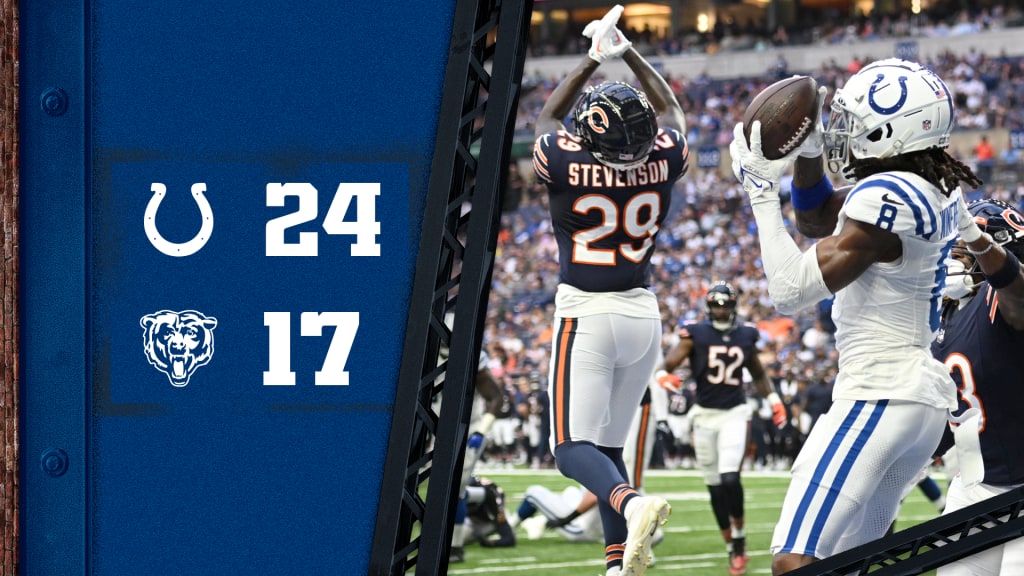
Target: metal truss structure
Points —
{"points": [[931, 544], [452, 278]]}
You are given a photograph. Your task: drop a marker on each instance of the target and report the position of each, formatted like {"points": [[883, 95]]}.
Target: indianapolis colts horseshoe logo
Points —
{"points": [[184, 248], [899, 103]]}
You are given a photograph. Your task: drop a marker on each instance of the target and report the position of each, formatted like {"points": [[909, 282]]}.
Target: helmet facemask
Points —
{"points": [[999, 220], [720, 303]]}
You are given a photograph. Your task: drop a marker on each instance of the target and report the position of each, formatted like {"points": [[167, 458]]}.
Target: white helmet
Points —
{"points": [[889, 107]]}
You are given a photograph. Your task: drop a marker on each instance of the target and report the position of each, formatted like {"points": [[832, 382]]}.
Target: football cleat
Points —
{"points": [[737, 564], [534, 526], [649, 513], [458, 554]]}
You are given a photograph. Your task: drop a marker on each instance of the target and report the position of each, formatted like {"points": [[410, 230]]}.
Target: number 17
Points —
{"points": [[332, 373]]}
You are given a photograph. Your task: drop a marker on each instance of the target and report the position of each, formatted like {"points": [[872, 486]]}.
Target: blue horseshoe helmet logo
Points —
{"points": [[184, 248], [899, 103]]}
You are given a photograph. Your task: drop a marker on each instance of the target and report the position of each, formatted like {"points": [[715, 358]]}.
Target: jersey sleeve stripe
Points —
{"points": [[922, 200], [540, 159], [895, 188]]}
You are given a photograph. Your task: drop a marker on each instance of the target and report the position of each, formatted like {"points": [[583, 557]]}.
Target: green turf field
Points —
{"points": [[692, 545]]}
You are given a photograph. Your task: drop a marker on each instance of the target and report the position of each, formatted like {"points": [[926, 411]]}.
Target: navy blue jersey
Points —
{"points": [[982, 353], [605, 220], [679, 402], [717, 360]]}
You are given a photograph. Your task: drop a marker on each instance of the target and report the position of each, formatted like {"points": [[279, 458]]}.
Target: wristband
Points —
{"points": [[659, 374], [811, 198], [991, 243], [1006, 274], [773, 398]]}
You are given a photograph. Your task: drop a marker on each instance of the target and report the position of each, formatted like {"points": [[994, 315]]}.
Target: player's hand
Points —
{"points": [[814, 145], [759, 176], [607, 41], [669, 382], [969, 230], [475, 441], [778, 410]]}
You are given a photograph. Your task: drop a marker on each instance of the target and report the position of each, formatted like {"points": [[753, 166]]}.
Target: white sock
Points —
{"points": [[458, 535]]}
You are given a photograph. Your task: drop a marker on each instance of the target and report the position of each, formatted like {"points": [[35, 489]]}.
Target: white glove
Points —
{"points": [[814, 145], [607, 41], [759, 176], [969, 230]]}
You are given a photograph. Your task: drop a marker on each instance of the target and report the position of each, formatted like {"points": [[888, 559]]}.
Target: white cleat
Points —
{"points": [[534, 526], [649, 513]]}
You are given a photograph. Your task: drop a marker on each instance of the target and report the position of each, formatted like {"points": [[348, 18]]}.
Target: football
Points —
{"points": [[787, 110]]}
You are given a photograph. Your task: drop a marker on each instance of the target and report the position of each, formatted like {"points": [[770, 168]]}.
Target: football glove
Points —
{"points": [[607, 41], [778, 410], [669, 382], [559, 522], [759, 176], [969, 230], [814, 145]]}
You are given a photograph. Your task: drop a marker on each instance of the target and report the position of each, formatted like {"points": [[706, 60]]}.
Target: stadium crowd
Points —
{"points": [[828, 26], [712, 236]]}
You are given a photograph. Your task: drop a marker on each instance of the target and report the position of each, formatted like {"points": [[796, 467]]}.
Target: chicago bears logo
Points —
{"points": [[597, 118], [178, 343]]}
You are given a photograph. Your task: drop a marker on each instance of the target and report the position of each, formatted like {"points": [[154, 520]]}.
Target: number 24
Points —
{"points": [[365, 227]]}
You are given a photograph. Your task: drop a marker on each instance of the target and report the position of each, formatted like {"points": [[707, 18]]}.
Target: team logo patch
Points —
{"points": [[178, 343]]}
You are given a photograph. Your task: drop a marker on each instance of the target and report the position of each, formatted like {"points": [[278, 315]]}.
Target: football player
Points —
{"points": [[718, 349], [886, 240], [982, 333], [609, 181]]}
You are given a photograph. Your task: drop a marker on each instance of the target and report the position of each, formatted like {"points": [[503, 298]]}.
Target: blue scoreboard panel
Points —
{"points": [[220, 206]]}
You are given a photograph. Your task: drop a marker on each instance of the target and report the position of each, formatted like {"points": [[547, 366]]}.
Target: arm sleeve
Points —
{"points": [[794, 277]]}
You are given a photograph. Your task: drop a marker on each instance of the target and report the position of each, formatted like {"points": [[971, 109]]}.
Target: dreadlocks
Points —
{"points": [[934, 165]]}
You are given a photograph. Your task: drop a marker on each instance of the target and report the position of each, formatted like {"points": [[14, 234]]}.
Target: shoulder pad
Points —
{"points": [[897, 204]]}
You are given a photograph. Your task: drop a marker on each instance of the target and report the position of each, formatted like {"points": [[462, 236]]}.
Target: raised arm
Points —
{"points": [[670, 113], [563, 97]]}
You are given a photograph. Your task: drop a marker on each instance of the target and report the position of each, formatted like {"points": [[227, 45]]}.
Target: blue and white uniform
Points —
{"points": [[891, 397]]}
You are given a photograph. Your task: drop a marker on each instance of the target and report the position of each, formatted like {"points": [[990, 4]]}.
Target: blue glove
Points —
{"points": [[476, 440]]}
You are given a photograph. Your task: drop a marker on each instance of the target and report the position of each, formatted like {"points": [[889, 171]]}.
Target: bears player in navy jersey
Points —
{"points": [[609, 180], [981, 338], [718, 349], [883, 255]]}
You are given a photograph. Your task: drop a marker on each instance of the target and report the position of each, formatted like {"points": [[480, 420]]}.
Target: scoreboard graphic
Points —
{"points": [[221, 216]]}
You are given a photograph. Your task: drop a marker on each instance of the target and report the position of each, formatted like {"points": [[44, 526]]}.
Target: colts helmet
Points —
{"points": [[616, 124], [889, 107], [1001, 221], [720, 305]]}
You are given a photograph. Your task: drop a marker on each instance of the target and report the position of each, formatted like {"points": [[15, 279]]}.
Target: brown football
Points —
{"points": [[787, 110]]}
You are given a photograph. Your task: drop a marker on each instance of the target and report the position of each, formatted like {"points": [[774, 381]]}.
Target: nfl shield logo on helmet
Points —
{"points": [[926, 125]]}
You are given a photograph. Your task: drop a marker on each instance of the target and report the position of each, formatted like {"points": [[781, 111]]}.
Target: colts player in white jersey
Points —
{"points": [[609, 183], [884, 260]]}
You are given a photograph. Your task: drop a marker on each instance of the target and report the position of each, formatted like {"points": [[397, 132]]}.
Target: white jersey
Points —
{"points": [[887, 318]]}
